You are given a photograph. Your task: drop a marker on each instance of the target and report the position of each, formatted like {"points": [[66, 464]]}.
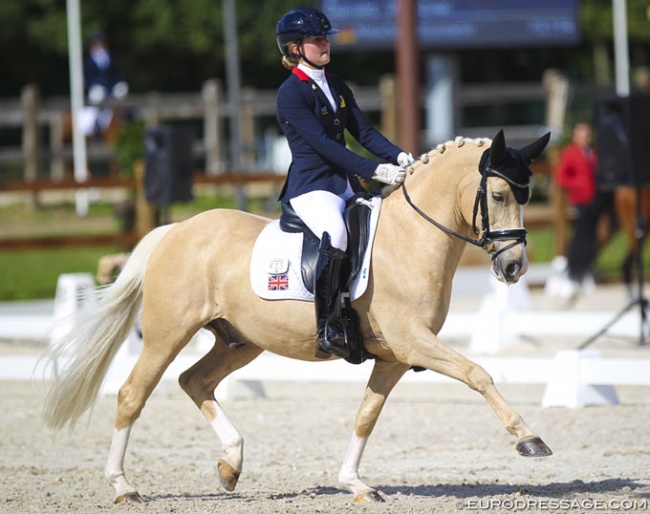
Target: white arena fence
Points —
{"points": [[572, 378]]}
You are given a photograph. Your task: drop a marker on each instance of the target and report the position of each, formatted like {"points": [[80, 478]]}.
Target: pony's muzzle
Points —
{"points": [[510, 265]]}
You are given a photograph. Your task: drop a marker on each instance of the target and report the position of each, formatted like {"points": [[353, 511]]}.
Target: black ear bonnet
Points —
{"points": [[512, 165]]}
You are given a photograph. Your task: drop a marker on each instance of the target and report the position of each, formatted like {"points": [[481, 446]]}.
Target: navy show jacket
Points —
{"points": [[320, 159], [107, 77]]}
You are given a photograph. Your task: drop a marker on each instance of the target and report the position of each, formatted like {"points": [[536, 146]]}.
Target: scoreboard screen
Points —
{"points": [[456, 24]]}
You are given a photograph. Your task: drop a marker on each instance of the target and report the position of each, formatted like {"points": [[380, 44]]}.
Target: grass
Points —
{"points": [[33, 274], [608, 262]]}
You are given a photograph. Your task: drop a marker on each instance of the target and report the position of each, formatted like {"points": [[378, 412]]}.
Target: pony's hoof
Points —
{"points": [[369, 497], [533, 447], [132, 497], [228, 476]]}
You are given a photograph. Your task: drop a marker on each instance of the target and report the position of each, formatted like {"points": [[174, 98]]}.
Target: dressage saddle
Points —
{"points": [[357, 220]]}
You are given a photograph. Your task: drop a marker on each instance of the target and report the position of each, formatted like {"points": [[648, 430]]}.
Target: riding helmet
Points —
{"points": [[300, 23]]}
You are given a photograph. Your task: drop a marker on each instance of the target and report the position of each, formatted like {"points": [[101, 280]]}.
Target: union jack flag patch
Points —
{"points": [[278, 282]]}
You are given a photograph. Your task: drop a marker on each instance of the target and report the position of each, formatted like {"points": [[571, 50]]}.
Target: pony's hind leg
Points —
{"points": [[144, 377], [199, 382], [382, 381]]}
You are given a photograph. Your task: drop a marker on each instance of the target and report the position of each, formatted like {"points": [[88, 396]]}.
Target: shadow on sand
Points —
{"points": [[468, 490]]}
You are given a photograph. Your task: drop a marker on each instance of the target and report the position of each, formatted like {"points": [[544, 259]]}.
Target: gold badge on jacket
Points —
{"points": [[342, 101]]}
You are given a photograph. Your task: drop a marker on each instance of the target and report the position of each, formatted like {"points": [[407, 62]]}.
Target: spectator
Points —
{"points": [[102, 80], [576, 174]]}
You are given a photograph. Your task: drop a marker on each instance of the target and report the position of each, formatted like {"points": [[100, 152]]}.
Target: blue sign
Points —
{"points": [[456, 24]]}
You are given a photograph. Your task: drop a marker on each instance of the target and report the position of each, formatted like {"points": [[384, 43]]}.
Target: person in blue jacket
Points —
{"points": [[102, 76], [314, 108], [102, 80]]}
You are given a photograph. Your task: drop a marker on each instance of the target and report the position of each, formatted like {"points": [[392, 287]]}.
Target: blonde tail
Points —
{"points": [[98, 330]]}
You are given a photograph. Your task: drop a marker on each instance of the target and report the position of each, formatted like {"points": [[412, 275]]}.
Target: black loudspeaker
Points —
{"points": [[168, 165], [623, 140]]}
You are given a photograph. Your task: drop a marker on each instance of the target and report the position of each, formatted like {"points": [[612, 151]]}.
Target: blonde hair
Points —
{"points": [[290, 62]]}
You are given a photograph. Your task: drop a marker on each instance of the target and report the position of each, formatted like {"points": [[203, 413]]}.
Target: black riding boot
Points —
{"points": [[327, 289]]}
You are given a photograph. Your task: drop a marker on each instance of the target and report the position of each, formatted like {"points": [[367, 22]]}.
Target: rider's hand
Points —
{"points": [[405, 159], [389, 174], [96, 94], [120, 90]]}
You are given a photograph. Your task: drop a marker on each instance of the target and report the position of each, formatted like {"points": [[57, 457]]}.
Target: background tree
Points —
{"points": [[174, 45]]}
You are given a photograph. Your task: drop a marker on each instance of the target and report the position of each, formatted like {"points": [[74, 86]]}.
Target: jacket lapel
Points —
{"points": [[323, 102]]}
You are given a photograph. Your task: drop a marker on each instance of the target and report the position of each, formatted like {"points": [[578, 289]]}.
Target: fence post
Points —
{"points": [[557, 197], [387, 90], [211, 94], [57, 129], [30, 100], [151, 116], [556, 87], [247, 128]]}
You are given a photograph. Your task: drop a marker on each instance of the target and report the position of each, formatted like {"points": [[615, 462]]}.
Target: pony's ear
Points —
{"points": [[498, 149], [532, 151]]}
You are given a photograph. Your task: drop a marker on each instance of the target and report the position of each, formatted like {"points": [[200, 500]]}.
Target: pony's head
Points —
{"points": [[494, 210], [505, 188], [512, 165]]}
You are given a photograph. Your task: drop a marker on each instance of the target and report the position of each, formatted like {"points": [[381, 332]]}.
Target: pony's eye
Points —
{"points": [[498, 197]]}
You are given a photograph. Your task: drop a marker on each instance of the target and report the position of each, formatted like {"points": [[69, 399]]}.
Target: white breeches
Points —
{"points": [[92, 119], [322, 211]]}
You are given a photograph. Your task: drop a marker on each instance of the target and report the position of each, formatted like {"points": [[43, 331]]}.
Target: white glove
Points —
{"points": [[96, 94], [405, 160], [389, 174], [120, 90]]}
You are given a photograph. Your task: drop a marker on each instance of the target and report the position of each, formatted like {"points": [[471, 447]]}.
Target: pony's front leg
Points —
{"points": [[382, 380], [429, 352]]}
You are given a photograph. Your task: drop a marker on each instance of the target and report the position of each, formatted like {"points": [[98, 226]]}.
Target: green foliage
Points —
{"points": [[129, 146], [596, 17], [161, 45], [165, 45], [33, 274]]}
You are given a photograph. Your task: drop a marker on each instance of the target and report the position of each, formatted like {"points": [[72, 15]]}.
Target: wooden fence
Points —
{"points": [[37, 117], [44, 159]]}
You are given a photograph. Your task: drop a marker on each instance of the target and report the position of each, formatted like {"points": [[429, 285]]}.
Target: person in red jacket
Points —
{"points": [[576, 173], [576, 170]]}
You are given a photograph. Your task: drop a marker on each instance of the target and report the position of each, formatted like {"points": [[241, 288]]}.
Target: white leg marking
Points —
{"points": [[349, 473], [114, 471], [231, 440]]}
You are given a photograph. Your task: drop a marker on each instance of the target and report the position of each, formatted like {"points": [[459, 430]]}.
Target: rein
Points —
{"points": [[488, 237]]}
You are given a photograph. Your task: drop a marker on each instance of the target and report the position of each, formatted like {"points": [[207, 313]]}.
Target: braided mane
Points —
{"points": [[458, 142], [440, 149]]}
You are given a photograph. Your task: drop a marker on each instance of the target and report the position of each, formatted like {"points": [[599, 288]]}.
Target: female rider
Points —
{"points": [[314, 108]]}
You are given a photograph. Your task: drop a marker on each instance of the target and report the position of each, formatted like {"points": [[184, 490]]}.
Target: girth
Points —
{"points": [[357, 219]]}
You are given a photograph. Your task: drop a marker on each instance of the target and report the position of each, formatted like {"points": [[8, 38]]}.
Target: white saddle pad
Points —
{"points": [[275, 264]]}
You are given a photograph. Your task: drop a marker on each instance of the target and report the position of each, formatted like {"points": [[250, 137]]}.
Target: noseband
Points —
{"points": [[488, 237]]}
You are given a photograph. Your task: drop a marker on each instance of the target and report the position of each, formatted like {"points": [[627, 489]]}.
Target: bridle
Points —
{"points": [[488, 237]]}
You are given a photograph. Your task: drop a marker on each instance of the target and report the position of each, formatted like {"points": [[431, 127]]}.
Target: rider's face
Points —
{"points": [[316, 49]]}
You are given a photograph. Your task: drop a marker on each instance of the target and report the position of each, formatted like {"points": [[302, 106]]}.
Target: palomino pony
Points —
{"points": [[194, 274]]}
